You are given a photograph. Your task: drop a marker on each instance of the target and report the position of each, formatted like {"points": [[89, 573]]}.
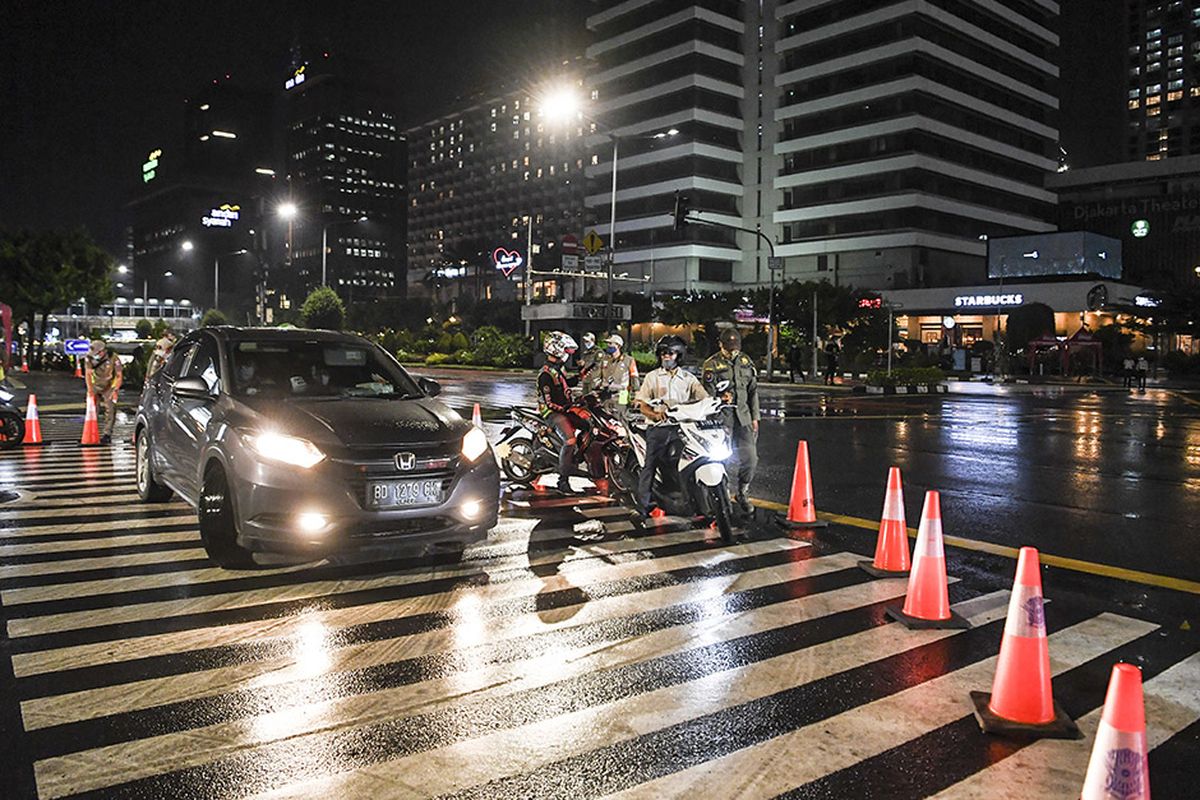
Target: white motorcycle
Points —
{"points": [[698, 485]]}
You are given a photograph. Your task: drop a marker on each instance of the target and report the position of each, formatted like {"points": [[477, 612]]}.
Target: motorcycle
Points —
{"points": [[528, 447], [12, 424], [698, 486]]}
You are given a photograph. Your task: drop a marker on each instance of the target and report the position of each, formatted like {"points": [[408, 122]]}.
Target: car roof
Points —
{"points": [[230, 333]]}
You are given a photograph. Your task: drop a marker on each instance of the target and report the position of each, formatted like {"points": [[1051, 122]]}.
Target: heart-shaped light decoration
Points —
{"points": [[507, 261]]}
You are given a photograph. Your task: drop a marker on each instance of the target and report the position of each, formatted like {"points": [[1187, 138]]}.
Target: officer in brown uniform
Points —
{"points": [[734, 366], [618, 373], [104, 376]]}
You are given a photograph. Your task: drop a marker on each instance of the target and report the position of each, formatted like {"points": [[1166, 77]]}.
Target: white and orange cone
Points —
{"points": [[802, 508], [1119, 766], [476, 417], [33, 425], [891, 548], [78, 368], [91, 425], [1021, 702], [927, 602]]}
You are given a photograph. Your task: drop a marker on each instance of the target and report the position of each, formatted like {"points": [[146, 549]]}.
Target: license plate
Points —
{"points": [[404, 494]]}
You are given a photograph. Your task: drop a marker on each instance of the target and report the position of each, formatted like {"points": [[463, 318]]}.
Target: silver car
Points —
{"points": [[309, 442]]}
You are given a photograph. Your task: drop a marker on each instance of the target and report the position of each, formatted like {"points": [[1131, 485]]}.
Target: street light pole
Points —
{"points": [[216, 281], [612, 231]]}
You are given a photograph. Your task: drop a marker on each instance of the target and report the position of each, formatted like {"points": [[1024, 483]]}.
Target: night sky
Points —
{"points": [[88, 87]]}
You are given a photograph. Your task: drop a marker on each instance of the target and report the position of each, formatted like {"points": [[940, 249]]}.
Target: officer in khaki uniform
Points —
{"points": [[618, 372], [731, 364], [104, 376]]}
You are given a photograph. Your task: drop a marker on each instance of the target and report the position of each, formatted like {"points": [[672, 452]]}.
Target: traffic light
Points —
{"points": [[681, 210]]}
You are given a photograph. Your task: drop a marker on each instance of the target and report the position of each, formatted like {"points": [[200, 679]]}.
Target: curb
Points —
{"points": [[920, 388]]}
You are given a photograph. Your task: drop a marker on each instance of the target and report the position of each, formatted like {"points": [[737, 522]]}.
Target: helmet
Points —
{"points": [[558, 345], [731, 338], [670, 344]]}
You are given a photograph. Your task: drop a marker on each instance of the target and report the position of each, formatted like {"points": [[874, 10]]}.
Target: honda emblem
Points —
{"points": [[406, 461]]}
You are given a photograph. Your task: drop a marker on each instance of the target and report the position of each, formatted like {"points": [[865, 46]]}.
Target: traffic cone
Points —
{"points": [[476, 417], [78, 370], [24, 364], [33, 425], [927, 602], [1119, 766], [91, 425], [802, 511], [1021, 703], [891, 548]]}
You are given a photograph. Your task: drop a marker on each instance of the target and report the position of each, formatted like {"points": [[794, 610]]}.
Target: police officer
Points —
{"points": [[618, 373], [104, 376], [668, 385], [734, 366], [587, 360]]}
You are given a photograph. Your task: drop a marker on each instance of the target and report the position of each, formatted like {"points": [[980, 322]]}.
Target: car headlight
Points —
{"points": [[286, 449], [719, 451], [6, 396], [474, 444]]}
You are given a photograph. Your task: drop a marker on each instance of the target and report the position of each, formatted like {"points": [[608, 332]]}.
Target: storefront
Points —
{"points": [[960, 316]]}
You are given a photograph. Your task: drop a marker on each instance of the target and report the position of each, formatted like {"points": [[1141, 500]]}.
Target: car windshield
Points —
{"points": [[317, 369]]}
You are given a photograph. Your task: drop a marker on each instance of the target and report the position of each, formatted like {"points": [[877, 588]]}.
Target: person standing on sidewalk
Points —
{"points": [[1143, 366], [734, 370], [104, 375], [831, 363]]}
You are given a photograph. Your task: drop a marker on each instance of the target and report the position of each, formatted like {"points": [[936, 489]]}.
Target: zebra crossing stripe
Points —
{"points": [[36, 503], [37, 552], [1172, 704], [466, 709], [125, 508], [146, 608], [79, 526], [62, 571], [507, 652]]}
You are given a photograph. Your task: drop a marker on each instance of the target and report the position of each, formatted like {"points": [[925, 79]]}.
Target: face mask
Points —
{"points": [[668, 362], [611, 350]]}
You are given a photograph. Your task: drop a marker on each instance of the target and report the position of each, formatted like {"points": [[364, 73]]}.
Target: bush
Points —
{"points": [[646, 361], [496, 349], [323, 309], [212, 318], [464, 357], [906, 376], [134, 373], [144, 328], [437, 359], [459, 342]]}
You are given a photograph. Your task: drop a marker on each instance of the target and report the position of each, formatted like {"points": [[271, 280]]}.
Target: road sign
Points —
{"points": [[570, 261], [775, 262], [570, 245], [592, 242], [593, 262], [76, 347]]}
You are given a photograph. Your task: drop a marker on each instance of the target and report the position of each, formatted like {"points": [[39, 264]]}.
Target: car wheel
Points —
{"points": [[218, 524], [148, 488]]}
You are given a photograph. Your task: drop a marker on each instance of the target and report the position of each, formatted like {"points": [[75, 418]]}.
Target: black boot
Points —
{"points": [[743, 500]]}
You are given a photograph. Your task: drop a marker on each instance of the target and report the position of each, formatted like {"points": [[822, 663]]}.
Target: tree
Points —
{"points": [[702, 309], [323, 309], [1026, 323], [213, 318], [48, 270], [144, 328]]}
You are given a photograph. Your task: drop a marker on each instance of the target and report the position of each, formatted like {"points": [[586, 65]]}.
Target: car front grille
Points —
{"points": [[379, 463]]}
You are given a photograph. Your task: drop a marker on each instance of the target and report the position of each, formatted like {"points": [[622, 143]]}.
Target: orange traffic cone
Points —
{"points": [[802, 511], [1119, 766], [891, 548], [927, 603], [476, 417], [91, 425], [1021, 702], [24, 364], [78, 370], [33, 425]]}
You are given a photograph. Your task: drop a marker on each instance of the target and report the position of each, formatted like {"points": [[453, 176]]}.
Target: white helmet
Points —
{"points": [[559, 345]]}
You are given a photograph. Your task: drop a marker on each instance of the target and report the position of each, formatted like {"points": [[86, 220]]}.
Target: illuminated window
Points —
{"points": [[1153, 101], [1136, 103], [1173, 96], [1153, 112]]}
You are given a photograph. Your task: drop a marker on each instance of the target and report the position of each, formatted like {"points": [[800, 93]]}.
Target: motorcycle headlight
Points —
{"points": [[6, 396], [474, 444], [719, 451], [285, 449]]}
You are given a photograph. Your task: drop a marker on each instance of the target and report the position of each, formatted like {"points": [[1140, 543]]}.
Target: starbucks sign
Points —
{"points": [[1140, 228]]}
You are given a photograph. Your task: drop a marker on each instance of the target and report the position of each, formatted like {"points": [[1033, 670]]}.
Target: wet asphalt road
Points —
{"points": [[576, 654]]}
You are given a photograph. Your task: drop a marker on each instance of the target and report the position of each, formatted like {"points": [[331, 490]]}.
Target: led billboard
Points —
{"points": [[1048, 255]]}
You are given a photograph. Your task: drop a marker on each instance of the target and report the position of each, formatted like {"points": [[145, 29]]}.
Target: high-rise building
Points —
{"points": [[346, 175], [1164, 80], [493, 173], [876, 142], [199, 204]]}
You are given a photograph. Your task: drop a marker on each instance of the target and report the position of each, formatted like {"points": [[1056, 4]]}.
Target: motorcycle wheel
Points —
{"points": [[722, 511], [622, 478], [12, 429], [517, 473]]}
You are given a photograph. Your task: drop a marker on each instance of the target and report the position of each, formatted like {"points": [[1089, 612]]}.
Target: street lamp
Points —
{"points": [[187, 246], [287, 211], [324, 235], [562, 105]]}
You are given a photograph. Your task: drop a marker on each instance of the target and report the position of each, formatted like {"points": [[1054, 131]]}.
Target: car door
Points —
{"points": [[187, 418], [158, 410]]}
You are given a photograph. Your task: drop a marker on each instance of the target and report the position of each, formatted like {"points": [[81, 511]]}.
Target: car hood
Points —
{"points": [[360, 422]]}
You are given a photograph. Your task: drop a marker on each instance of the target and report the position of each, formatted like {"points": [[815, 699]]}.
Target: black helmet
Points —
{"points": [[731, 338], [670, 344]]}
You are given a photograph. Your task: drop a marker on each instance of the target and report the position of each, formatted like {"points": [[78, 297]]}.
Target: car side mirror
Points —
{"points": [[430, 387], [192, 389]]}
